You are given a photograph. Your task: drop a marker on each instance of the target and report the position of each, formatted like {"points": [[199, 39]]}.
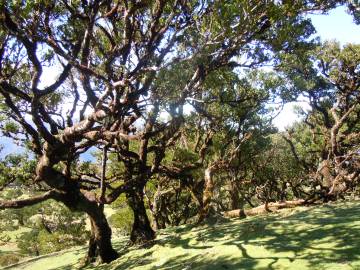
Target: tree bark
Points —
{"points": [[236, 202], [141, 230], [100, 240], [68, 192], [16, 204], [208, 194], [92, 249], [157, 207]]}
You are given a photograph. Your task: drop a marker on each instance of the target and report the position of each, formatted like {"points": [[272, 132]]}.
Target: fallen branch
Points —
{"points": [[263, 209]]}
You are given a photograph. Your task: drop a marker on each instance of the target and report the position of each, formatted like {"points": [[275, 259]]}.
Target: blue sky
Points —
{"points": [[335, 25]]}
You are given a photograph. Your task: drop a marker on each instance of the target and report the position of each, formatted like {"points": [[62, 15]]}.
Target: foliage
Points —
{"points": [[326, 142], [7, 259], [122, 220], [17, 169], [4, 239], [39, 241], [53, 228]]}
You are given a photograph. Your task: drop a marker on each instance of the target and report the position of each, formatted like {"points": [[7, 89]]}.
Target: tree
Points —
{"points": [[119, 66], [330, 148]]}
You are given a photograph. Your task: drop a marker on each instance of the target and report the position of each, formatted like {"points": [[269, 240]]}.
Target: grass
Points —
{"points": [[321, 237]]}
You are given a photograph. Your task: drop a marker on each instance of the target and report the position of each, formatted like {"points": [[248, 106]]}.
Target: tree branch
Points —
{"points": [[15, 204]]}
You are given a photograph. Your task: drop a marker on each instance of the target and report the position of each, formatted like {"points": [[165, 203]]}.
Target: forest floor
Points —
{"points": [[317, 237]]}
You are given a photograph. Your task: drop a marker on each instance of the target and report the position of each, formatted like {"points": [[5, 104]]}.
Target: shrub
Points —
{"points": [[122, 220], [4, 239], [54, 228], [7, 259]]}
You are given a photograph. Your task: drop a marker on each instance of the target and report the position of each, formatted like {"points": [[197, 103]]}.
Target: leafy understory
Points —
{"points": [[320, 237]]}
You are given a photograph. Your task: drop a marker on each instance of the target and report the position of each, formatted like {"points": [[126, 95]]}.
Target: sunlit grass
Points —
{"points": [[326, 237]]}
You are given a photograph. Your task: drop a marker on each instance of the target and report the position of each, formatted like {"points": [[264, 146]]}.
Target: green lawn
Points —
{"points": [[321, 237]]}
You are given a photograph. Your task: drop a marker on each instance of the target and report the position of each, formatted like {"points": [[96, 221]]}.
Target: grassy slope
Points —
{"points": [[326, 237]]}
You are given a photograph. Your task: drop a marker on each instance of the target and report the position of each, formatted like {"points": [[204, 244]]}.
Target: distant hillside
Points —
{"points": [[321, 237]]}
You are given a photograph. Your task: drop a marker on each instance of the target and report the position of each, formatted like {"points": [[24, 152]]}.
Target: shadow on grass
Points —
{"points": [[330, 234], [312, 238], [66, 267], [130, 263]]}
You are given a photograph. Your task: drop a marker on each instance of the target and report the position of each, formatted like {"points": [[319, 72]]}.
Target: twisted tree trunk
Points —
{"points": [[92, 249], [100, 241], [141, 230], [69, 193]]}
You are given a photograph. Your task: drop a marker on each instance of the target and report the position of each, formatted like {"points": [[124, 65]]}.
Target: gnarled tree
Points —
{"points": [[328, 145], [78, 74]]}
